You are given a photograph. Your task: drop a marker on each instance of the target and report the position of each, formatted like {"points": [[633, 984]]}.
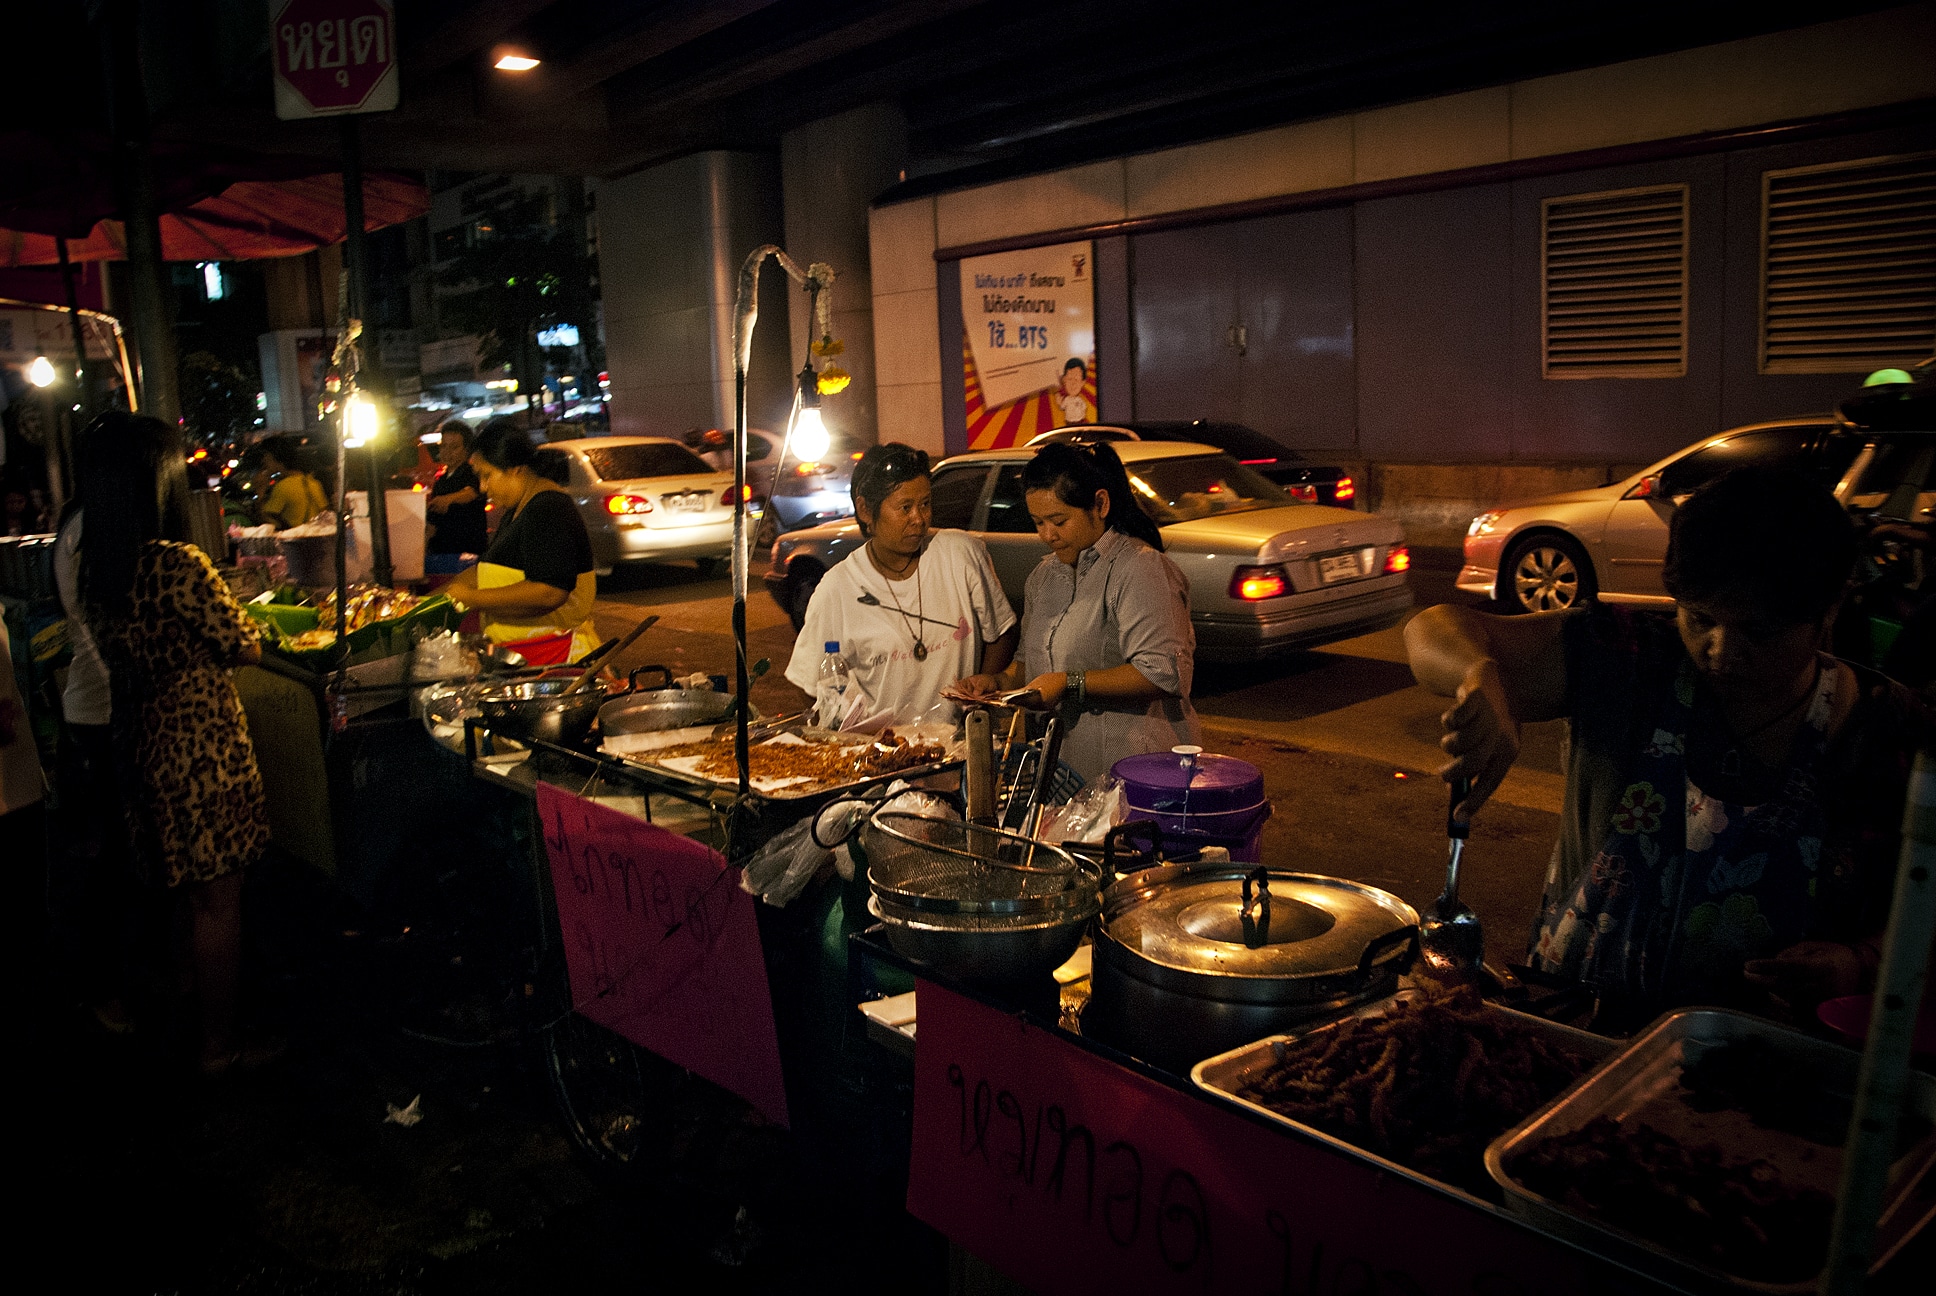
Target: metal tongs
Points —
{"points": [[1448, 934]]}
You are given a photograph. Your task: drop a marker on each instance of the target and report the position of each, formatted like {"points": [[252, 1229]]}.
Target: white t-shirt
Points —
{"points": [[955, 586], [85, 698]]}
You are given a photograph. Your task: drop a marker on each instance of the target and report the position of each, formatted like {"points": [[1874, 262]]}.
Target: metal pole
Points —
{"points": [[85, 397], [741, 753], [355, 262], [1881, 1082], [141, 217]]}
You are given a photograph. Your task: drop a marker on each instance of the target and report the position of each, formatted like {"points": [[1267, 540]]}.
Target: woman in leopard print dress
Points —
{"points": [[169, 631]]}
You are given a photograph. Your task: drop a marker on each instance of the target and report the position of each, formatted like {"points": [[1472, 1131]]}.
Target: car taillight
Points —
{"points": [[627, 505], [1398, 558], [1307, 494], [1254, 583], [1345, 489], [726, 496], [806, 469]]}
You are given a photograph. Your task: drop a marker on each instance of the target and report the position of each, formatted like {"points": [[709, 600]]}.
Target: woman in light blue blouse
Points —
{"points": [[1106, 636]]}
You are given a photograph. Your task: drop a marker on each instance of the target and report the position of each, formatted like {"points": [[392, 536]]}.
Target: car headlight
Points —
{"points": [[1485, 522]]}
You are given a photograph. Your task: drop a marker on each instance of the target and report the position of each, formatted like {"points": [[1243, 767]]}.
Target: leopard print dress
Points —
{"points": [[196, 803]]}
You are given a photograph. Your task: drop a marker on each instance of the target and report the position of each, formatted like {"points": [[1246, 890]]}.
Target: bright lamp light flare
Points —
{"points": [[361, 423], [515, 63], [41, 372], [810, 439]]}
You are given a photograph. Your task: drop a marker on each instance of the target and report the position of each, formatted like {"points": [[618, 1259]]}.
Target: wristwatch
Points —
{"points": [[1079, 686]]}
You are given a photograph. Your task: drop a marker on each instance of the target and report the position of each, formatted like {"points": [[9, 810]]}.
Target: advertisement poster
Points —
{"points": [[1030, 348]]}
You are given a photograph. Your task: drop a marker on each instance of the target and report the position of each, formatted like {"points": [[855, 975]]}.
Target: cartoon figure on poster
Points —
{"points": [[1028, 346]]}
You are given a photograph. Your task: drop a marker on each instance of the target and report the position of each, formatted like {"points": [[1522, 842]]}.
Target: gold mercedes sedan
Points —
{"points": [[1267, 573], [1539, 555]]}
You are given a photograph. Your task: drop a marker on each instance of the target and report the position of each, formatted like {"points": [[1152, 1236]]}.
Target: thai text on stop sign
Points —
{"points": [[334, 43]]}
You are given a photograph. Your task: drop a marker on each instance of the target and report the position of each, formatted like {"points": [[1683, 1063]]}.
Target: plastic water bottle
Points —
{"points": [[830, 688]]}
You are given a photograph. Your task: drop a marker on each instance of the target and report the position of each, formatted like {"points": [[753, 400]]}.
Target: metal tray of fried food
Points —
{"points": [[801, 791], [1643, 1084], [1228, 1074]]}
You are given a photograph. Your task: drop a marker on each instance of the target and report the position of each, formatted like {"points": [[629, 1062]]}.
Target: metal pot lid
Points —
{"points": [[1188, 779], [1194, 920]]}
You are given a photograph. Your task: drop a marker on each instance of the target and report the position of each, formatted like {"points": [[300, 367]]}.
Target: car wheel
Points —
{"points": [[802, 580], [1546, 573]]}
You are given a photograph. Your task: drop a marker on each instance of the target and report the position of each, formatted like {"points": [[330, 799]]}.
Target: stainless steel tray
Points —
{"points": [[1226, 1074], [801, 792], [1639, 1082]]}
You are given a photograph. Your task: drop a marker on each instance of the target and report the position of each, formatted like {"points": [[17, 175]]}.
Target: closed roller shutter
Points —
{"points": [[1849, 265], [1614, 278]]}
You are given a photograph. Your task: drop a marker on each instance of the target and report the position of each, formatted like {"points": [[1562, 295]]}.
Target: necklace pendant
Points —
{"points": [[920, 651]]}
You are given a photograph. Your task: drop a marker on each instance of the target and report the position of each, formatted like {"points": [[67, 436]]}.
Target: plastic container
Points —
{"points": [[1209, 799]]}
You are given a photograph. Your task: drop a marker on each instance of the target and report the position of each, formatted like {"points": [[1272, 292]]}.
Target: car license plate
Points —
{"points": [[1339, 567], [690, 502]]}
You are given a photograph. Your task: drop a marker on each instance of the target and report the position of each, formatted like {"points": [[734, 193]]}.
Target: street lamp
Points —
{"points": [[41, 372]]}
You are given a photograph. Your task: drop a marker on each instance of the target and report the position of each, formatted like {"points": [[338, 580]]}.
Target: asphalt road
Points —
{"points": [[1346, 740]]}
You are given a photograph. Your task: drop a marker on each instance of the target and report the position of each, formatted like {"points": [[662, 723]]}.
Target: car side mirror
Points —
{"points": [[1647, 487]]}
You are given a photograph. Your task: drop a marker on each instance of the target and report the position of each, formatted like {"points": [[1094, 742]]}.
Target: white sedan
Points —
{"points": [[645, 499]]}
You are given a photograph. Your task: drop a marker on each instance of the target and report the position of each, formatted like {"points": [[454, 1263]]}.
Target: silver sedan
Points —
{"points": [[1609, 542], [1266, 573], [644, 499]]}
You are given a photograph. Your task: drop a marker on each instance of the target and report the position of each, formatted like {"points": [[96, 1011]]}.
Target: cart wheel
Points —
{"points": [[615, 1098]]}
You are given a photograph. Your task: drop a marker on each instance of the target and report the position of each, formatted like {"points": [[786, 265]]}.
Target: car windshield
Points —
{"points": [[1897, 479], [1201, 486], [624, 462]]}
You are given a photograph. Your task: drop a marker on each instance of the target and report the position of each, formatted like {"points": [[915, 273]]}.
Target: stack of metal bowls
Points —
{"points": [[974, 902]]}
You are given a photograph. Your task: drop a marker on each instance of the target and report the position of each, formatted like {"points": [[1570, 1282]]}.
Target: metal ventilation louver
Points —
{"points": [[1849, 265], [1613, 269]]}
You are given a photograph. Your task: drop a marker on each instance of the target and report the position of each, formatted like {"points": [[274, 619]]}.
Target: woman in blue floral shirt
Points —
{"points": [[1734, 794]]}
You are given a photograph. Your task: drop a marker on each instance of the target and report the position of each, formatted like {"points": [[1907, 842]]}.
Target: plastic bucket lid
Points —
{"points": [[1190, 781]]}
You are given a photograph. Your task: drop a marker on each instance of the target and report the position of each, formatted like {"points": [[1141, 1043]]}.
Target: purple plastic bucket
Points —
{"points": [[1207, 799]]}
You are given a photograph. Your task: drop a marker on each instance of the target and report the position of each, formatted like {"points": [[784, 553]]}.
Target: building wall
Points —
{"points": [[832, 170], [671, 240], [1444, 287]]}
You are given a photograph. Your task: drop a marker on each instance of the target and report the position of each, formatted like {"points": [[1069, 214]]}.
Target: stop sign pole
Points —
{"points": [[337, 58]]}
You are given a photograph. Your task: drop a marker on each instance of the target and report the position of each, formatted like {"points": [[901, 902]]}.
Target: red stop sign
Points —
{"points": [[334, 56]]}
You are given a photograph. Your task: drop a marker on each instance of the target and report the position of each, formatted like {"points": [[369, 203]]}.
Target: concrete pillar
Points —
{"points": [[833, 169], [670, 242]]}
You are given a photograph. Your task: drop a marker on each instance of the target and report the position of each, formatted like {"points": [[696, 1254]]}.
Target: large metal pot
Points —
{"points": [[656, 710], [1192, 960], [537, 710]]}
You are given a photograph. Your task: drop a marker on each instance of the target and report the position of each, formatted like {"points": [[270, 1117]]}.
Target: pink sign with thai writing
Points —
{"points": [[662, 946], [1072, 1174]]}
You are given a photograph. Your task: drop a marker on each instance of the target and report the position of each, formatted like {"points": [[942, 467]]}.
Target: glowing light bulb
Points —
{"points": [[360, 423], [515, 63], [41, 372], [810, 439]]}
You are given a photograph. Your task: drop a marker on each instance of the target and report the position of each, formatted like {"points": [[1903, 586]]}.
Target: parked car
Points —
{"points": [[1300, 478], [805, 494], [1554, 551], [644, 499], [1267, 573]]}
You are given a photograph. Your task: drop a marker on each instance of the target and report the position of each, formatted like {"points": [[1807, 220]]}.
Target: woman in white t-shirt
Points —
{"points": [[913, 609]]}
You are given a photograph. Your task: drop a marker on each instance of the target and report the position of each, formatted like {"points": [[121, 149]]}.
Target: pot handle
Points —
{"points": [[1120, 835], [1390, 940], [1256, 929], [632, 680]]}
